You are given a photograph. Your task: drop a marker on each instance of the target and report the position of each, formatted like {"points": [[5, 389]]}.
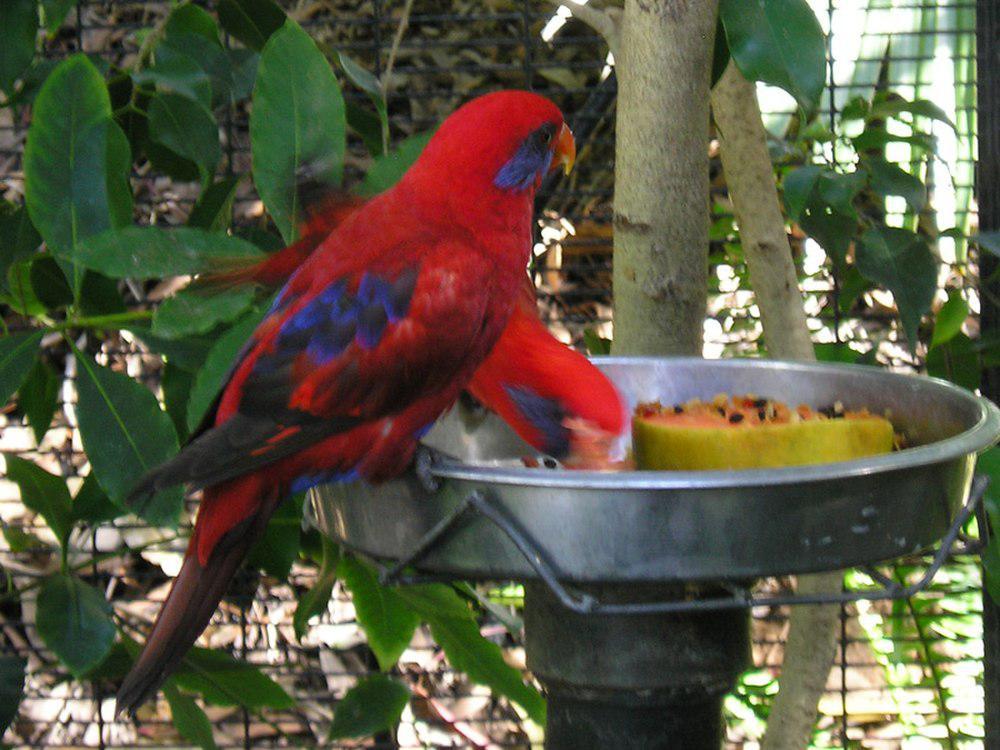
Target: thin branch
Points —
{"points": [[404, 22], [605, 22]]}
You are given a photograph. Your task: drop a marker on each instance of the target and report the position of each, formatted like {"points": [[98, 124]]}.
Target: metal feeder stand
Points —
{"points": [[638, 584]]}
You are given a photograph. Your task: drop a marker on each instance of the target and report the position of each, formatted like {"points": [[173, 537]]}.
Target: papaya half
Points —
{"points": [[747, 432]]}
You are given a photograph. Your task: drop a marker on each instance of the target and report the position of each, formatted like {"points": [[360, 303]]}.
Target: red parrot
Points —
{"points": [[373, 337]]}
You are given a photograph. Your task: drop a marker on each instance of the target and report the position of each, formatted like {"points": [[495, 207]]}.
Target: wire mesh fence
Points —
{"points": [[908, 674]]}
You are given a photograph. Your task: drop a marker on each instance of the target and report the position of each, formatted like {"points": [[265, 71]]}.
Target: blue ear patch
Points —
{"points": [[531, 161], [546, 415]]}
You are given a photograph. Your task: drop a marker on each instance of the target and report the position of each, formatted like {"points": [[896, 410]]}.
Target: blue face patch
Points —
{"points": [[545, 415], [532, 161]]}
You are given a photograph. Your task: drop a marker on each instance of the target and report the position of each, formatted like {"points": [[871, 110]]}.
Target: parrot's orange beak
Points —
{"points": [[565, 150]]}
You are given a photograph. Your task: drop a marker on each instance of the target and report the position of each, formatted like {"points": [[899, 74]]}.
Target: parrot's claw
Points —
{"points": [[425, 459]]}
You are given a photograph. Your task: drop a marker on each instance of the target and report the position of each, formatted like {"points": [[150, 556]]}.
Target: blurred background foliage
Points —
{"points": [[147, 142]]}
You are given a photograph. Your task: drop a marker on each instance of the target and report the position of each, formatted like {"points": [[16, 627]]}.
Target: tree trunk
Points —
{"points": [[812, 637], [661, 176]]}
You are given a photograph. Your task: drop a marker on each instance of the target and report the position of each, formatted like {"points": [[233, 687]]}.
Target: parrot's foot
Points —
{"points": [[424, 460]]}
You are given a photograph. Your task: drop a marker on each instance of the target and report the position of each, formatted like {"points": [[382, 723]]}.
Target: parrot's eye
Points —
{"points": [[545, 134]]}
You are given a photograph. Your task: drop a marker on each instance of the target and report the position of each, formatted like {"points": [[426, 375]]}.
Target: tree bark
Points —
{"points": [[661, 176], [812, 637]]}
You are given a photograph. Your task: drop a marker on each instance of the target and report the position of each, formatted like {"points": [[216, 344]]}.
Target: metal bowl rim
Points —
{"points": [[978, 437]]}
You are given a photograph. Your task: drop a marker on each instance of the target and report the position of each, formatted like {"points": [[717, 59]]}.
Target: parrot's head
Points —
{"points": [[502, 142]]}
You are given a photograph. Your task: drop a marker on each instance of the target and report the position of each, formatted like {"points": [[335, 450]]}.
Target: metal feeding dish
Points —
{"points": [[634, 527]]}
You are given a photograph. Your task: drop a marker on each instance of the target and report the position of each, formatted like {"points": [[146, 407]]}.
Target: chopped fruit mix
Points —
{"points": [[745, 432]]}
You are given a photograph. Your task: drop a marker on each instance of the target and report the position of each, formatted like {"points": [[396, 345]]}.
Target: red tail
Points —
{"points": [[231, 519]]}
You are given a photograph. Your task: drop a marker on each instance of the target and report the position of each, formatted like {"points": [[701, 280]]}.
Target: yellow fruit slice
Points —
{"points": [[744, 432]]}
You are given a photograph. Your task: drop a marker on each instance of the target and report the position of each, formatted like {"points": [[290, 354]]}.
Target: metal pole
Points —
{"points": [[988, 196], [633, 681]]}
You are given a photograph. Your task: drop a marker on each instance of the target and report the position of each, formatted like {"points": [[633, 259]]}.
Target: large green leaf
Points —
{"points": [[178, 74], [190, 721], [66, 158], [797, 187], [778, 42], [297, 119], [315, 600], [902, 262], [278, 548], [214, 209], [151, 252], [54, 12], [19, 21], [189, 18], [44, 493], [92, 504], [119, 167], [11, 688], [18, 240], [386, 170], [217, 366], [251, 21], [38, 397], [387, 620], [17, 357], [957, 360], [125, 434], [188, 353], [191, 312], [950, 318], [373, 705], [455, 629], [187, 128], [891, 179], [74, 620], [176, 383], [208, 55], [49, 283], [222, 680]]}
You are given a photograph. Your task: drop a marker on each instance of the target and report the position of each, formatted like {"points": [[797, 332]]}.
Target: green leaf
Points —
{"points": [[894, 105], [367, 82], [594, 343], [278, 548], [18, 240], [44, 493], [388, 168], [99, 295], [950, 318], [66, 158], [779, 42], [373, 705], [119, 168], [125, 434], [38, 397], [187, 128], [21, 295], [902, 262], [315, 600], [191, 312], [17, 357], [838, 190], [875, 138], [835, 353], [92, 504], [798, 186], [152, 252], [74, 620], [54, 13], [988, 241], [188, 354], [890, 179], [218, 364], [367, 124], [19, 21], [222, 680], [208, 55], [454, 627], [297, 119], [191, 722], [831, 229], [20, 541], [387, 620], [251, 21], [214, 209], [989, 464], [49, 283], [178, 74], [957, 360], [176, 384], [191, 19], [11, 688]]}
